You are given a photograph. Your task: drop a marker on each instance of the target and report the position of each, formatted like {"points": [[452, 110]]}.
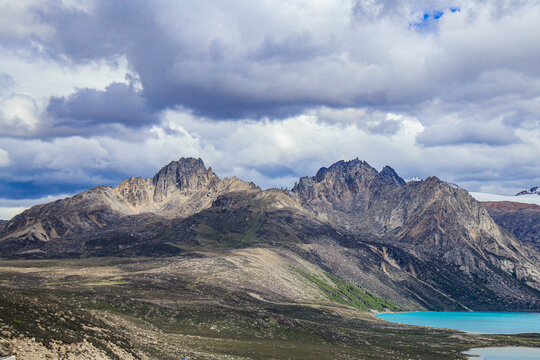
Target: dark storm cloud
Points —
{"points": [[110, 28], [293, 48], [118, 103], [385, 127], [276, 171], [215, 79], [240, 60], [205, 80]]}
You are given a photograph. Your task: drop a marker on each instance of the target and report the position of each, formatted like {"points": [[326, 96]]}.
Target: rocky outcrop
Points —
{"points": [[185, 175], [352, 195], [522, 220], [391, 177]]}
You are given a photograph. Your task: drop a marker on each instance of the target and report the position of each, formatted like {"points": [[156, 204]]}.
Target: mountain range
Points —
{"points": [[420, 244], [533, 190]]}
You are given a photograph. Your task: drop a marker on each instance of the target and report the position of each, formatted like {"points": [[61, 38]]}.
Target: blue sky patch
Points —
{"points": [[429, 20]]}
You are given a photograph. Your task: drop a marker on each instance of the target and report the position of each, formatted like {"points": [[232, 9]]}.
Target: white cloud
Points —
{"points": [[274, 153], [467, 131], [7, 213], [525, 199], [41, 77], [20, 21], [11, 207], [301, 144], [18, 115]]}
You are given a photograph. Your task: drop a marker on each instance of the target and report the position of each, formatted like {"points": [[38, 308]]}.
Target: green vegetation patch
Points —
{"points": [[345, 293], [230, 229]]}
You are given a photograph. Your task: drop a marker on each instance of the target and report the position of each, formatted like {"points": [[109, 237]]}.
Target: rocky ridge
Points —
{"points": [[179, 189], [533, 190]]}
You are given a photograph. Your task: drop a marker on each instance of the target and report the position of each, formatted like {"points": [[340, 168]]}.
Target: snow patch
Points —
{"points": [[526, 199], [413, 179]]}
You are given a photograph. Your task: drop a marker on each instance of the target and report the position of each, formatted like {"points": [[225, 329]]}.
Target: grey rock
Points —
{"points": [[521, 220]]}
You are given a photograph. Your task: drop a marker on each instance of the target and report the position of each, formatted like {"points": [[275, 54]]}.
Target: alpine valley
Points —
{"points": [[189, 265]]}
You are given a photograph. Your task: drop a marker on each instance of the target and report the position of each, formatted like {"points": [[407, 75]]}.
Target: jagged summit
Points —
{"points": [[343, 168], [180, 188], [344, 174], [350, 170], [346, 186], [186, 174], [391, 176]]}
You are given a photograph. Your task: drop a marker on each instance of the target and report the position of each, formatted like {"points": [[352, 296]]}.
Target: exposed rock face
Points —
{"points": [[179, 189], [522, 220], [351, 195], [391, 177], [448, 227], [84, 212], [137, 191], [184, 175]]}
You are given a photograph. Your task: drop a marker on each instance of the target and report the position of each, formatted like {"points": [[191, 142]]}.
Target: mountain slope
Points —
{"points": [[179, 189], [421, 245], [431, 225], [522, 220]]}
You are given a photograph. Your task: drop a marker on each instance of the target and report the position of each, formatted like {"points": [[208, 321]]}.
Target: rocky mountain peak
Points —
{"points": [[186, 174], [342, 192], [341, 172], [390, 176], [345, 168]]}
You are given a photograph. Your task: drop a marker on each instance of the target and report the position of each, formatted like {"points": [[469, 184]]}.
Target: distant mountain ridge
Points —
{"points": [[423, 244], [533, 190]]}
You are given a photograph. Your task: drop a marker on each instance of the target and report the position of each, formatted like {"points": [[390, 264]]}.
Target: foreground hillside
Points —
{"points": [[238, 304]]}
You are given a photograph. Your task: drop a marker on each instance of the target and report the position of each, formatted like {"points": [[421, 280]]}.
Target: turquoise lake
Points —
{"points": [[474, 322]]}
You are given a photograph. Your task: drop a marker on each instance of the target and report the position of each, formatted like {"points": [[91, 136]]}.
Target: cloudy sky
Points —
{"points": [[95, 91]]}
